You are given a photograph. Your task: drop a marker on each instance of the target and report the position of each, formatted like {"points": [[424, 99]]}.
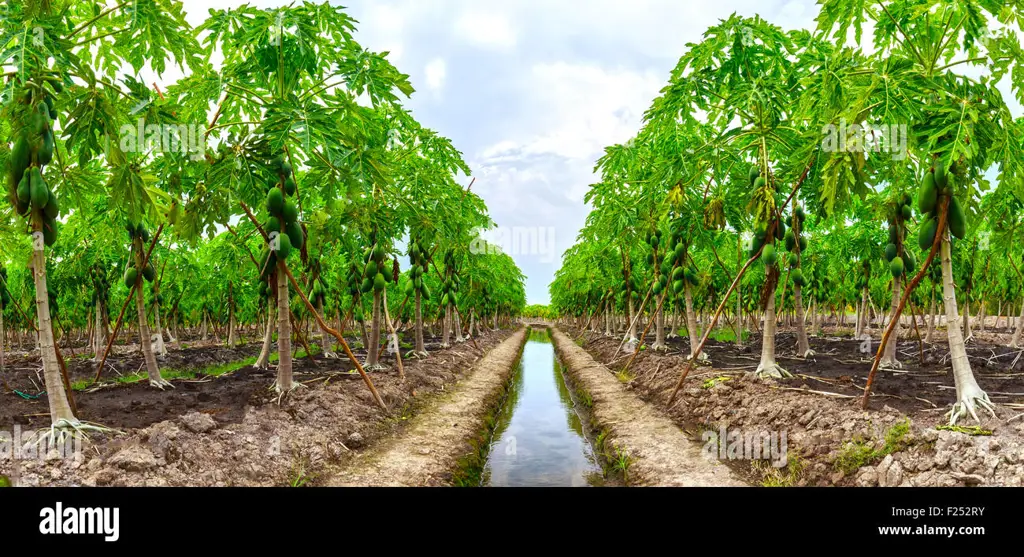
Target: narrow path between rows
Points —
{"points": [[427, 451], [660, 453]]}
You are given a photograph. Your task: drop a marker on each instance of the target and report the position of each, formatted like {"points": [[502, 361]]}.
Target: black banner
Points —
{"points": [[181, 517]]}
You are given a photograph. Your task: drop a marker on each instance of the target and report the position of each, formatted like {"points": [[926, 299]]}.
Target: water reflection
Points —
{"points": [[539, 439]]}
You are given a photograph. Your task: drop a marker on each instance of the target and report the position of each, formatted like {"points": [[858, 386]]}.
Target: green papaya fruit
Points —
{"points": [[45, 154], [927, 194], [149, 273], [284, 247], [24, 190], [656, 289], [290, 213], [289, 186], [768, 256], [754, 174], [52, 209], [896, 267], [941, 178], [677, 286], [130, 276], [780, 230], [275, 201], [909, 262], [49, 232], [790, 240], [38, 191], [378, 282], [294, 231], [378, 253], [21, 157], [798, 277], [273, 225], [803, 243], [906, 213], [367, 285], [957, 219], [759, 183], [890, 252]]}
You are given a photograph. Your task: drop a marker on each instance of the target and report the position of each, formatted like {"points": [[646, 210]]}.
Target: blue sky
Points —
{"points": [[531, 91]]}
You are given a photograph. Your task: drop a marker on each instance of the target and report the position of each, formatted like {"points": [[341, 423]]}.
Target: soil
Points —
{"points": [[227, 429], [819, 408], [432, 445], [659, 453]]}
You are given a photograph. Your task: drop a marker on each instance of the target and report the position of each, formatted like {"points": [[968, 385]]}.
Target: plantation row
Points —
{"points": [[309, 206], [735, 201]]}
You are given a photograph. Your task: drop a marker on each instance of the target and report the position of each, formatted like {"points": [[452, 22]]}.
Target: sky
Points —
{"points": [[532, 91]]}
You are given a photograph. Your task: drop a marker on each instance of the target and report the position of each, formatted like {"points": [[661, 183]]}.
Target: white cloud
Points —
{"points": [[576, 111], [488, 29], [436, 71]]}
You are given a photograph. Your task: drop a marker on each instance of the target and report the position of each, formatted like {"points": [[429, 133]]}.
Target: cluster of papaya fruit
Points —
{"points": [[5, 297], [100, 283], [375, 275], [131, 274], [155, 296], [33, 149], [419, 256], [450, 286], [284, 215], [934, 187], [790, 241], [317, 293], [865, 277], [672, 263], [901, 260]]}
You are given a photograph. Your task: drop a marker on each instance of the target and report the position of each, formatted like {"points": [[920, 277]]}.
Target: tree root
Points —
{"points": [[890, 364], [968, 403], [63, 430], [808, 354], [160, 383], [773, 371]]}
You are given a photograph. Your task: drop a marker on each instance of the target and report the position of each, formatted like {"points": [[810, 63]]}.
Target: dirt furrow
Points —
{"points": [[660, 453], [427, 451]]}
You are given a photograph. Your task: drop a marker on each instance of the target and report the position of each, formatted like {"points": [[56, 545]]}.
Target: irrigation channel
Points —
{"points": [[540, 439]]}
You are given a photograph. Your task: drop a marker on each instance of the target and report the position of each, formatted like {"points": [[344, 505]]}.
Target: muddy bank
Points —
{"points": [[258, 443], [428, 451], [649, 447], [901, 440]]}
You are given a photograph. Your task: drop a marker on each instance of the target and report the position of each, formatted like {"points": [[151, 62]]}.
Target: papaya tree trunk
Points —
{"points": [[60, 408], [968, 394], [446, 326], [931, 318], [263, 361], [326, 341], [1015, 341], [140, 305], [768, 367], [803, 345], [458, 324], [373, 350], [421, 349], [889, 359], [159, 349], [691, 321], [284, 382], [99, 336]]}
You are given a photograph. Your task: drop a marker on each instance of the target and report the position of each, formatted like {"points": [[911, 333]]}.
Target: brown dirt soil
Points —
{"points": [[819, 408], [225, 430], [432, 444], [660, 454]]}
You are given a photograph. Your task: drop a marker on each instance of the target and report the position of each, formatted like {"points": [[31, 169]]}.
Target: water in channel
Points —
{"points": [[539, 439]]}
